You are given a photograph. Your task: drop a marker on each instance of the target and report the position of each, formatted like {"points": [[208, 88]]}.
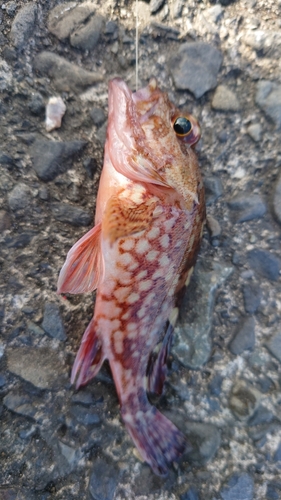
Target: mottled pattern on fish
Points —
{"points": [[140, 256]]}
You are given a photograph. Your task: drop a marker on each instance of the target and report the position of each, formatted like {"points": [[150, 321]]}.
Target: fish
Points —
{"points": [[139, 256]]}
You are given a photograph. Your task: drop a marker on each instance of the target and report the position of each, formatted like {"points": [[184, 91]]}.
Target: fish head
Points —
{"points": [[150, 141]]}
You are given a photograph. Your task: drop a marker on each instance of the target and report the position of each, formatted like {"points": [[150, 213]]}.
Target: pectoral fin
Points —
{"points": [[83, 268], [122, 218]]}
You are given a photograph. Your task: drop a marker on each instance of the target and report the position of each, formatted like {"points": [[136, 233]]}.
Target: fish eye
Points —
{"points": [[182, 126]]}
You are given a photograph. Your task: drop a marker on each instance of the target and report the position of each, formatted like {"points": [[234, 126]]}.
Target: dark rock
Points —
{"points": [[43, 193], [9, 54], [51, 158], [225, 100], [36, 103], [213, 189], [190, 494], [205, 440], [90, 164], [195, 67], [23, 25], [111, 29], [249, 206], [87, 36], [274, 346], [2, 380], [261, 416], [268, 97], [98, 116], [243, 400], [35, 329], [277, 454], [252, 297], [52, 323], [273, 491], [156, 5], [20, 404], [5, 221], [19, 197], [83, 398], [215, 385], [6, 160], [277, 200], [244, 338], [19, 240], [104, 480], [146, 483], [66, 76], [239, 486], [66, 17], [71, 215], [85, 416], [39, 366], [264, 263]]}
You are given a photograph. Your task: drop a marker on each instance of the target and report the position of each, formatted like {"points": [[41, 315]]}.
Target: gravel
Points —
{"points": [[218, 61]]}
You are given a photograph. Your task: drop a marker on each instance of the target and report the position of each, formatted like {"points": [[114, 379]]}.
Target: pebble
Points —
{"points": [[51, 158], [264, 263], [273, 491], [5, 221], [248, 207], [213, 226], [156, 5], [65, 76], [21, 404], [255, 132], [192, 344], [238, 487], [277, 199], [190, 494], [252, 297], [244, 337], [55, 110], [19, 240], [195, 67], [36, 103], [225, 99], [244, 400], [66, 17], [85, 416], [6, 76], [23, 25], [87, 36], [2, 380], [261, 416], [215, 385], [205, 440], [104, 479], [33, 328], [38, 365], [71, 214], [268, 97], [274, 346], [213, 13], [52, 322], [98, 116], [90, 165], [213, 189], [19, 197], [277, 454]]}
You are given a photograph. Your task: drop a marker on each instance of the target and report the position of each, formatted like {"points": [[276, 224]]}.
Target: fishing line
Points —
{"points": [[137, 47]]}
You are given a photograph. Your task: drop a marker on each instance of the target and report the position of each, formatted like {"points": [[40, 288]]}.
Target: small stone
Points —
{"points": [[36, 103], [213, 226], [277, 454], [244, 338], [225, 100], [33, 328], [268, 97], [273, 491], [52, 323], [66, 17], [51, 158], [195, 67], [214, 13], [264, 263], [255, 131], [85, 416], [261, 416], [98, 116], [65, 76], [2, 380], [205, 440], [213, 189], [243, 400], [215, 385], [104, 479], [239, 486], [252, 297], [5, 221], [83, 398], [101, 133], [23, 25], [90, 165], [277, 200], [11, 8], [274, 346], [6, 75], [156, 5], [20, 404], [55, 110], [19, 240], [191, 494], [71, 214], [19, 197], [87, 36], [39, 366]]}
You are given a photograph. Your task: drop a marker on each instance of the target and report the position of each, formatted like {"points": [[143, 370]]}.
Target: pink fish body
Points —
{"points": [[140, 254]]}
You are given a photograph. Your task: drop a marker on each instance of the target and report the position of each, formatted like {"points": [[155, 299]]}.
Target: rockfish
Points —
{"points": [[139, 256]]}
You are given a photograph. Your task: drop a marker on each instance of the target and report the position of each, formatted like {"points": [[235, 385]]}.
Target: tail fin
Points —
{"points": [[89, 357], [158, 440]]}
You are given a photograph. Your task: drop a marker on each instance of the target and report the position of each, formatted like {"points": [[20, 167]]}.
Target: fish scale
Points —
{"points": [[140, 255]]}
